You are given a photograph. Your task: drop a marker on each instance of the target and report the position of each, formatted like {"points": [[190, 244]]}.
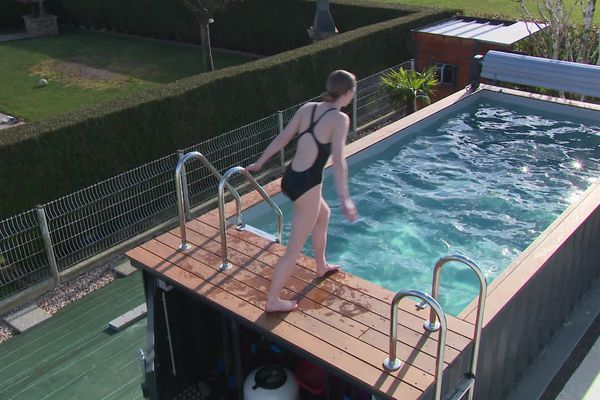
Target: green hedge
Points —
{"points": [[45, 160], [11, 15], [258, 26], [167, 19]]}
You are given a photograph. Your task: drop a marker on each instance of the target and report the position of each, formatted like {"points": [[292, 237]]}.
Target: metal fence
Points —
{"points": [[43, 242]]}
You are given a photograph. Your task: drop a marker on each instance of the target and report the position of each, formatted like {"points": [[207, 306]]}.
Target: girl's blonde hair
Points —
{"points": [[338, 83]]}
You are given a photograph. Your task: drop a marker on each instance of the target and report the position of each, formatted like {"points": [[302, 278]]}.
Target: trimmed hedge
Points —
{"points": [[11, 15], [256, 26], [48, 159]]}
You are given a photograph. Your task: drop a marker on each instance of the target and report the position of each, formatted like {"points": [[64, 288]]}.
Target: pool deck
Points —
{"points": [[341, 320]]}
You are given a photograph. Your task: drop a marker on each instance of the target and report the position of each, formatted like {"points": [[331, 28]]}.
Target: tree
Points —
{"points": [[405, 87], [203, 11], [559, 37]]}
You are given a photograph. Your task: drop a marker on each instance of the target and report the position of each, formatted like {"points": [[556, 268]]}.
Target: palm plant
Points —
{"points": [[405, 87]]}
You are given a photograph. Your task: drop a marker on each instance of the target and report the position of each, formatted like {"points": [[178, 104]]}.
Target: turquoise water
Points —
{"points": [[483, 183]]}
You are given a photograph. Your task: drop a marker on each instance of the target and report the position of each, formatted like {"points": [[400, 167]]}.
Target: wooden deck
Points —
{"points": [[341, 320]]}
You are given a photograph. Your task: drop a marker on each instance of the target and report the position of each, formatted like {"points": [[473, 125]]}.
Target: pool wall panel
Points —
{"points": [[519, 331]]}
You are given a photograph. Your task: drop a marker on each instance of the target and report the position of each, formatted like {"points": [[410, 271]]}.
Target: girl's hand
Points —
{"points": [[255, 167], [350, 211]]}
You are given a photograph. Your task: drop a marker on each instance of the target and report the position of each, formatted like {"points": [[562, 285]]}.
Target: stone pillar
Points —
{"points": [[41, 26]]}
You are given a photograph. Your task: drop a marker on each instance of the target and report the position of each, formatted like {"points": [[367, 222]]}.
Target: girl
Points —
{"points": [[322, 129]]}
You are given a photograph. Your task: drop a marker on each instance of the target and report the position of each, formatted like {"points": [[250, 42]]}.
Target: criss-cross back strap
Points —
{"points": [[313, 123]]}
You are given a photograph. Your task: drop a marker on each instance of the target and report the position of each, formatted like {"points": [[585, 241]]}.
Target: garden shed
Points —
{"points": [[450, 45]]}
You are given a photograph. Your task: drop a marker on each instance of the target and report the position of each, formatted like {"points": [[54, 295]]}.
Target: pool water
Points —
{"points": [[483, 183]]}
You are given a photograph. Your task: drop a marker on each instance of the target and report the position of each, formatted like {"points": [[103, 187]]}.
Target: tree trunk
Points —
{"points": [[588, 16], [206, 50], [598, 52]]}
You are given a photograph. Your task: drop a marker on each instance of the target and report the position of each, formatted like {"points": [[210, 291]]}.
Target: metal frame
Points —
{"points": [[183, 200], [225, 266], [433, 325], [392, 363]]}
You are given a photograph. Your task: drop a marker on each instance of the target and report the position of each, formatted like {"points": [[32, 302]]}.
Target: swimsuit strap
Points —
{"points": [[313, 123], [322, 115]]}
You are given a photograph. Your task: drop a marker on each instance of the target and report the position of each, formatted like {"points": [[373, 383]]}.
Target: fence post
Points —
{"points": [[184, 185], [354, 110], [43, 221], [280, 129]]}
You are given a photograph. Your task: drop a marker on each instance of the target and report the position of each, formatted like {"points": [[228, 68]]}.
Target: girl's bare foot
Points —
{"points": [[281, 305], [322, 271]]}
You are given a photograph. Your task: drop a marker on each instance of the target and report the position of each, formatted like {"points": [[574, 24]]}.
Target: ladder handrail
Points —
{"points": [[182, 200], [392, 363], [265, 195], [432, 325]]}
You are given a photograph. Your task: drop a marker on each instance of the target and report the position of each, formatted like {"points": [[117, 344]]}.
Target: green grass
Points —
{"points": [[489, 8], [85, 68]]}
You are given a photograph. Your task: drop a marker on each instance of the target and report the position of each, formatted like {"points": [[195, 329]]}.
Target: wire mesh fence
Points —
{"points": [[95, 219], [23, 259]]}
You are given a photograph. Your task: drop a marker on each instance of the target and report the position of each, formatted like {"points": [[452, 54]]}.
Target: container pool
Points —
{"points": [[482, 180]]}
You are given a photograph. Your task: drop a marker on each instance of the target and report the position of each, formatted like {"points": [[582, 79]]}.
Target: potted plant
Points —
{"points": [[406, 87], [39, 23]]}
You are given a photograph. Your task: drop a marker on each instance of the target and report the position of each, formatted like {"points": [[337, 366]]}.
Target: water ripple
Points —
{"points": [[484, 183]]}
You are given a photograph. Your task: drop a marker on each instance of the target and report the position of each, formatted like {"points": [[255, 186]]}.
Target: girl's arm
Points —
{"points": [[340, 168], [279, 142]]}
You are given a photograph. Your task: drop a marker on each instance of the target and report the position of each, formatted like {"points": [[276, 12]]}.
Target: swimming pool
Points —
{"points": [[483, 180]]}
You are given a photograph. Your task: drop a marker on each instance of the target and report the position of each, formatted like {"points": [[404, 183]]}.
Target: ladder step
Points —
{"points": [[460, 389], [261, 233]]}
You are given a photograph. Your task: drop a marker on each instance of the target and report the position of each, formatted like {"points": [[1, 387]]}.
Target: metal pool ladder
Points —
{"points": [[467, 383], [183, 205], [392, 363], [184, 208], [234, 170]]}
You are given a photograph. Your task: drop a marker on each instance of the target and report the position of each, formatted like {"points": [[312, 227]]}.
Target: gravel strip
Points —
{"points": [[74, 289], [5, 331]]}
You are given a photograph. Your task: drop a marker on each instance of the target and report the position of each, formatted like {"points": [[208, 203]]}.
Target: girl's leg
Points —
{"points": [[304, 216], [319, 237]]}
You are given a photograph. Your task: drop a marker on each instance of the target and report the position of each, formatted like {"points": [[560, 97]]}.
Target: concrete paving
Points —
{"points": [[26, 318], [123, 267], [536, 381], [584, 384], [15, 36], [129, 318]]}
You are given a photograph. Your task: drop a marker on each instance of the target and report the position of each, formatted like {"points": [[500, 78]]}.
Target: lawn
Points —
{"points": [[84, 68], [489, 8]]}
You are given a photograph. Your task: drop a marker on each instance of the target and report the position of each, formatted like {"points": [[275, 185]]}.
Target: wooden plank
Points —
{"points": [[272, 322], [240, 282], [382, 297], [258, 275], [320, 297]]}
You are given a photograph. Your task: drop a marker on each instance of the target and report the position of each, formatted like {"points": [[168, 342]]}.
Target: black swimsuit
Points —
{"points": [[295, 183]]}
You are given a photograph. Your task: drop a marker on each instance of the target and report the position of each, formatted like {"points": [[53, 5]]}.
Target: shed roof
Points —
{"points": [[484, 30]]}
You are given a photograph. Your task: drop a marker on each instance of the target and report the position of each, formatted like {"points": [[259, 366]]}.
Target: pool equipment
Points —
{"points": [[270, 382]]}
